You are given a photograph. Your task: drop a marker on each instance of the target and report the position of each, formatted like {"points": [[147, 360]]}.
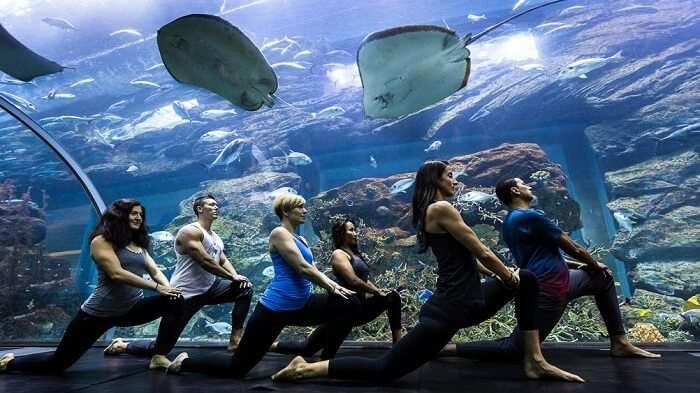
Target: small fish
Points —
{"points": [[519, 4], [82, 82], [580, 68], [59, 22], [297, 158], [53, 95], [562, 27], [475, 18], [338, 52], [144, 84], [289, 64], [180, 110], [531, 66], [212, 114], [435, 146], [269, 272], [402, 185], [282, 190], [219, 327], [302, 53], [644, 312], [638, 7], [18, 101], [682, 133], [14, 82], [119, 105], [230, 153], [372, 162], [383, 211], [155, 67], [549, 24], [328, 113], [571, 9], [162, 236], [216, 135], [424, 294], [30, 305], [476, 197], [132, 168], [269, 44], [130, 32], [348, 202], [624, 222]]}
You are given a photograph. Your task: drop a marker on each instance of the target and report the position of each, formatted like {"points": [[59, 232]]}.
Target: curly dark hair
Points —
{"points": [[338, 235], [427, 178], [114, 225]]}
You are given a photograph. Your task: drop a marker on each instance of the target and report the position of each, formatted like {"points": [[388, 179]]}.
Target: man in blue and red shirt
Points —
{"points": [[536, 244]]}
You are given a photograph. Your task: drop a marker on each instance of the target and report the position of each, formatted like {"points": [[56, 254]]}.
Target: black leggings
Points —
{"points": [[172, 325], [371, 308], [85, 329], [265, 325], [430, 335], [581, 283]]}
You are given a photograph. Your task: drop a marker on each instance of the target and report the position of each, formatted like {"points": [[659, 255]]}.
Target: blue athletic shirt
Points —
{"points": [[533, 240], [288, 290]]}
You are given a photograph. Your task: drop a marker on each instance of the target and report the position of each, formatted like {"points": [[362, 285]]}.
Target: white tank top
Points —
{"points": [[189, 275]]}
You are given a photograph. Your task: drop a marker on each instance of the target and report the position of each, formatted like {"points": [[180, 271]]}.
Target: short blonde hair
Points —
{"points": [[286, 202]]}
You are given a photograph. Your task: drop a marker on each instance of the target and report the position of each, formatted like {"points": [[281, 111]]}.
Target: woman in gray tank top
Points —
{"points": [[118, 245]]}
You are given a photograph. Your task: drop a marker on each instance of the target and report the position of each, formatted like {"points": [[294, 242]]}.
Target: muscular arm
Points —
{"points": [[104, 256], [190, 243], [448, 218], [343, 268], [576, 251], [283, 242]]}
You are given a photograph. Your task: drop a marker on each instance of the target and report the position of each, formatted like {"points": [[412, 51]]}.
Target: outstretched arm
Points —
{"points": [[576, 251], [189, 240]]}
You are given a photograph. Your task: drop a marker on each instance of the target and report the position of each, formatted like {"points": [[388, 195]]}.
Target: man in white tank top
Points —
{"points": [[205, 276]]}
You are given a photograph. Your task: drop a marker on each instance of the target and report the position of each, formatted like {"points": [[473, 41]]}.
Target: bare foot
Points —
{"points": [[176, 364], [159, 361], [540, 369], [5, 359], [273, 347], [448, 350], [630, 351], [292, 372], [116, 347]]}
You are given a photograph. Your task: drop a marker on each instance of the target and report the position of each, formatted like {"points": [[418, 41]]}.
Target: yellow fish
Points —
{"points": [[692, 303], [644, 312]]}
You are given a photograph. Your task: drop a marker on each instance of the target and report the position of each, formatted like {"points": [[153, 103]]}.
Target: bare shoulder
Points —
{"points": [[441, 207], [279, 233], [99, 241], [190, 231], [340, 255]]}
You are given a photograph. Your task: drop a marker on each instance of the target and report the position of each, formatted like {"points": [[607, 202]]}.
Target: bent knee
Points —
{"points": [[528, 279]]}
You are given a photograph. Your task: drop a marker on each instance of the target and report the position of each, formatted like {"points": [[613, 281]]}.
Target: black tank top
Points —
{"points": [[458, 287], [361, 270]]}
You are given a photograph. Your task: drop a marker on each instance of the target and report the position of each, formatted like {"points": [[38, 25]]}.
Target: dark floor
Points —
{"points": [[676, 371]]}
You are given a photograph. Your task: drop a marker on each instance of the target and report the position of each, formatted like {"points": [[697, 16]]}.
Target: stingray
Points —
{"points": [[405, 69], [21, 62], [209, 52]]}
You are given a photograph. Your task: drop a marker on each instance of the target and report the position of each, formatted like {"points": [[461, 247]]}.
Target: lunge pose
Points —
{"points": [[205, 276], [286, 301], [118, 245], [459, 300], [352, 271], [535, 242]]}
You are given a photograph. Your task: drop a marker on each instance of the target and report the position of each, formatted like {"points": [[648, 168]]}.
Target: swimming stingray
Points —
{"points": [[209, 52], [21, 62], [405, 69]]}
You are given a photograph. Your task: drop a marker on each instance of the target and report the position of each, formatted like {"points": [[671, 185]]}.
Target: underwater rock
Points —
{"points": [[679, 279], [661, 310], [44, 323], [663, 191]]}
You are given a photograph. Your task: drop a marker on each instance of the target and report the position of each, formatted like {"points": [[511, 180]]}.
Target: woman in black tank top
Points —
{"points": [[459, 300], [351, 271]]}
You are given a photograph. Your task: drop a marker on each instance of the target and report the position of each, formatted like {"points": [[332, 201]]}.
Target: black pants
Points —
{"points": [[581, 283], [265, 325], [172, 325], [371, 308], [85, 329], [430, 335]]}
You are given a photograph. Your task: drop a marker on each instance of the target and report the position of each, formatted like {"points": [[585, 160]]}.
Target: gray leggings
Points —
{"points": [[581, 283]]}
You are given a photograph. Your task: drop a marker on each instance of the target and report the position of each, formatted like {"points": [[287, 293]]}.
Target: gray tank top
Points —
{"points": [[189, 275], [112, 298]]}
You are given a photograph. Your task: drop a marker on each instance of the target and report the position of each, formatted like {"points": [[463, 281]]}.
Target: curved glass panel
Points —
{"points": [[44, 221], [594, 104]]}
